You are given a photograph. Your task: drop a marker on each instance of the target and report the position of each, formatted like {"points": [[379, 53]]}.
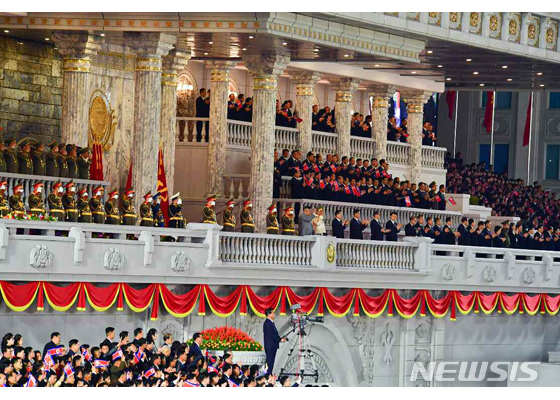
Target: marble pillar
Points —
{"points": [[76, 49], [344, 88], [380, 116], [172, 63], [265, 70], [415, 101], [149, 47], [217, 141], [305, 92]]}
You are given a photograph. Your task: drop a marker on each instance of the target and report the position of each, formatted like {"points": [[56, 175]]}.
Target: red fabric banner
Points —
{"points": [[527, 131], [489, 111], [450, 97], [129, 179], [162, 188], [96, 167]]}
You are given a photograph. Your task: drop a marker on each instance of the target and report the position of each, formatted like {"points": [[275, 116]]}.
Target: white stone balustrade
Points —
{"points": [[433, 157], [236, 185], [239, 133], [398, 153], [324, 143], [375, 254], [362, 147], [186, 129], [286, 138]]}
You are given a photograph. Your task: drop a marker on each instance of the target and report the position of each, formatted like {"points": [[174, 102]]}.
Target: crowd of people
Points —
{"points": [[31, 158], [122, 361]]}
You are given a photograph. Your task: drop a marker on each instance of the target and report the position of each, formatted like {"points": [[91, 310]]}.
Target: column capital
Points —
{"points": [[172, 63], [302, 77], [219, 70], [76, 44], [341, 85], [381, 94], [265, 69], [415, 99], [154, 44]]}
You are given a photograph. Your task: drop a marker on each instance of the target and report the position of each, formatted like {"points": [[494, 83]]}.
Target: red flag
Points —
{"points": [[407, 201], [450, 100], [527, 132], [452, 201], [129, 179], [162, 188], [96, 167], [489, 111]]}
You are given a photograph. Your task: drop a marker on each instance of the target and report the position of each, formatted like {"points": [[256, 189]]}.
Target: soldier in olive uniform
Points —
{"points": [[272, 221], [208, 213], [62, 163], [129, 211], [3, 167], [16, 204], [247, 223], [176, 219], [56, 209], [112, 209], [146, 216], [159, 219], [288, 227], [35, 200], [72, 161], [84, 162], [10, 155], [4, 209], [52, 159], [229, 218], [84, 212], [39, 159], [24, 158], [96, 205], [69, 202]]}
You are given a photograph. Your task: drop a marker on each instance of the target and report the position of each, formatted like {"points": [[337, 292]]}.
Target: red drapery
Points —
{"points": [[489, 111], [19, 297], [96, 167]]}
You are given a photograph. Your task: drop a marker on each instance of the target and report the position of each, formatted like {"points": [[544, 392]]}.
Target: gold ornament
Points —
{"points": [[331, 253], [513, 27], [102, 121], [532, 31], [550, 35], [493, 23], [474, 19], [453, 17]]}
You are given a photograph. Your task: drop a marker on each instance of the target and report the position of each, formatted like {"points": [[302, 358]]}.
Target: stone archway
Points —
{"points": [[187, 90], [233, 87]]}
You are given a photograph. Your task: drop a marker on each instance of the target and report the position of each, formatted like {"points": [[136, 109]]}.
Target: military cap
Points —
{"points": [[83, 150], [11, 139], [70, 147], [175, 196], [53, 144]]}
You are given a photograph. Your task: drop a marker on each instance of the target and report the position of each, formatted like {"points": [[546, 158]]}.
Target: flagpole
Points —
{"points": [[492, 129], [530, 136], [455, 129]]}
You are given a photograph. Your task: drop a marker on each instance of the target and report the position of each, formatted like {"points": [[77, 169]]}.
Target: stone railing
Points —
{"points": [[286, 138], [433, 157], [239, 133], [398, 153], [375, 255], [236, 185], [186, 129], [29, 180], [362, 147], [324, 143]]}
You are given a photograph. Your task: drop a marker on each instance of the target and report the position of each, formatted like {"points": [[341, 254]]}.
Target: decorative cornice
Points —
{"points": [[76, 44]]}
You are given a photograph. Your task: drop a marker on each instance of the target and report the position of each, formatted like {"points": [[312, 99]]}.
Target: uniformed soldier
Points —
{"points": [[147, 218], [272, 221], [10, 155], [56, 209], [62, 163], [52, 159], [157, 213], [129, 211], [3, 167], [84, 162], [208, 213], [288, 227], [247, 223], [72, 161], [4, 209], [112, 209], [16, 205], [96, 205], [39, 159], [35, 200], [69, 202], [176, 219], [229, 218], [84, 211], [24, 158]]}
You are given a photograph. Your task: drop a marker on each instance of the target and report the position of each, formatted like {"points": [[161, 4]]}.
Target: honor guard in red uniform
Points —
{"points": [[4, 209], [247, 223], [84, 210], [112, 209], [147, 218], [35, 200], [96, 205], [69, 202], [208, 213], [288, 227], [56, 209], [272, 221], [229, 218]]}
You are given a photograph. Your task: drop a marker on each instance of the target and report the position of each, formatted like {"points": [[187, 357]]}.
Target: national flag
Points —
{"points": [[162, 188], [335, 185], [527, 131], [306, 166], [450, 98], [149, 373], [333, 167], [129, 179], [100, 363], [232, 383], [356, 191], [87, 355], [347, 190], [57, 351], [31, 381], [212, 369], [209, 357], [489, 111], [299, 120], [190, 384], [316, 168], [452, 201], [68, 370], [322, 184], [407, 201], [3, 385], [438, 199], [128, 375], [48, 361], [139, 355], [118, 355]]}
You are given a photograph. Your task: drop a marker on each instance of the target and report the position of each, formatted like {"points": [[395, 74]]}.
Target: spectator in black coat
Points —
{"points": [[202, 111], [357, 226], [463, 233], [392, 228], [338, 225], [410, 228], [376, 230]]}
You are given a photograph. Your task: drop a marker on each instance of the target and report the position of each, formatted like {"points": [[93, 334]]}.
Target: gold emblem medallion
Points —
{"points": [[102, 120], [331, 253]]}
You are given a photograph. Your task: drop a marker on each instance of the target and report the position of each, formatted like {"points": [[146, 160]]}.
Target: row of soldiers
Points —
{"points": [[62, 160], [247, 223], [64, 206]]}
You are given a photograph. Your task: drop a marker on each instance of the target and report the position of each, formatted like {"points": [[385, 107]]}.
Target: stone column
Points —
{"points": [[380, 116], [305, 91], [265, 69], [76, 49], [415, 101], [172, 63], [344, 89], [149, 47], [217, 141]]}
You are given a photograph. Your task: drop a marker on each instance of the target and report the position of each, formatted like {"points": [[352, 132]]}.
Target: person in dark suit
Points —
{"points": [[463, 234], [410, 228], [376, 230], [392, 228], [357, 226], [54, 343], [338, 225], [272, 339], [110, 335], [202, 111], [195, 346]]}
